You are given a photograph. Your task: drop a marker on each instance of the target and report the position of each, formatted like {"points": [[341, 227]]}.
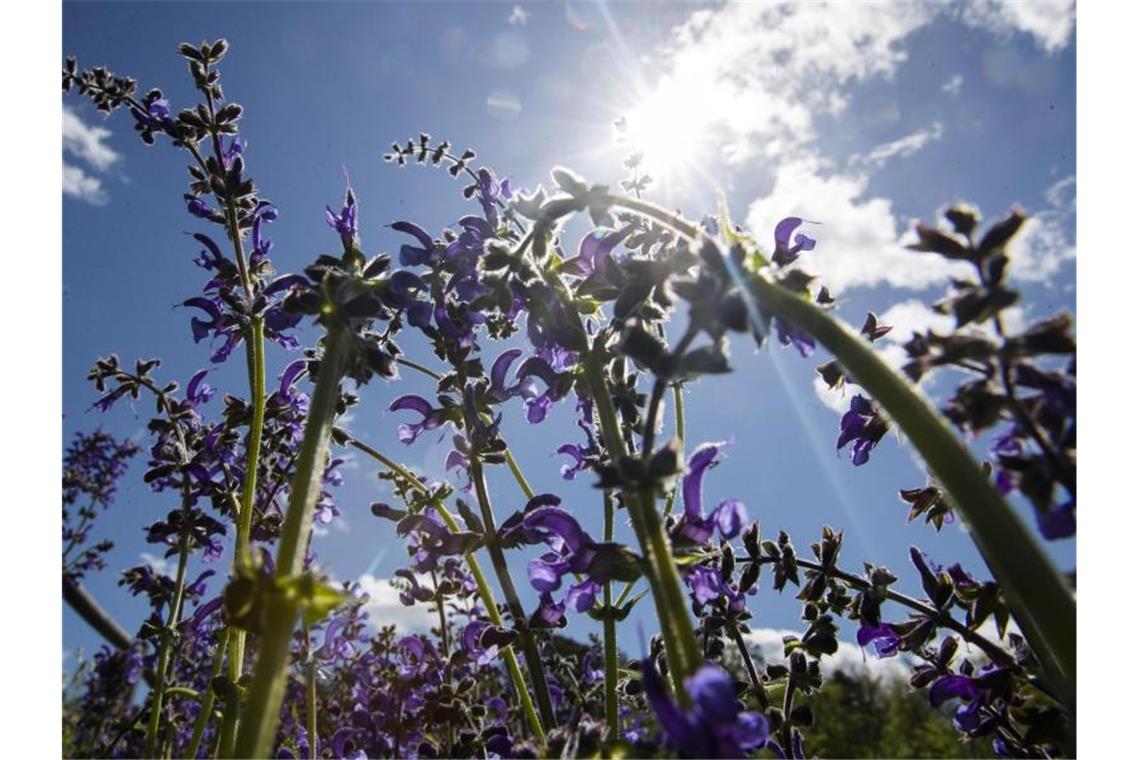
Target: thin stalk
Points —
{"points": [[485, 594], [749, 665], [679, 417], [203, 719], [609, 629], [519, 477], [262, 708], [1039, 598], [310, 696], [499, 562], [419, 368], [159, 690]]}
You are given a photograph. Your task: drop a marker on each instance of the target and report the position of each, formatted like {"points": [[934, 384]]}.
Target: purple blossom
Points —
{"points": [[344, 223], [410, 255], [786, 252], [789, 334], [432, 418], [1058, 522], [715, 725], [883, 638], [594, 249], [729, 516], [862, 426]]}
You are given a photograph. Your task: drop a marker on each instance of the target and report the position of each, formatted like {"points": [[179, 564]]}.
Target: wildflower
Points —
{"points": [[862, 425]]}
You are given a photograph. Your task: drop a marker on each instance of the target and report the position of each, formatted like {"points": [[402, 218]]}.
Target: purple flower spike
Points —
{"points": [[786, 252], [728, 518], [197, 391]]}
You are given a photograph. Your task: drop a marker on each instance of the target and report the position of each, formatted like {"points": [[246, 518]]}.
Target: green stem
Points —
{"points": [[203, 719], [310, 696], [679, 414], [499, 562], [519, 477], [1039, 599], [263, 706], [609, 629], [664, 581], [485, 594], [168, 632]]}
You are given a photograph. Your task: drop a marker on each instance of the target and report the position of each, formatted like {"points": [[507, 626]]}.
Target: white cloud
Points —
{"points": [[904, 147], [79, 184], [159, 565], [87, 142], [384, 607], [1050, 22], [519, 16], [1044, 244], [859, 243], [800, 57], [954, 85]]}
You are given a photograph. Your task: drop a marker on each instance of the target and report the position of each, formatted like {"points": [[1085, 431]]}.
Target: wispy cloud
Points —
{"points": [[88, 144], [953, 85], [82, 186], [1044, 243], [1049, 22], [904, 147]]}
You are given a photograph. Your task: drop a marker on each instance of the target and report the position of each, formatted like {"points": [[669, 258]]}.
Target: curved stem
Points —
{"points": [[485, 594], [1039, 599], [262, 709], [419, 368]]}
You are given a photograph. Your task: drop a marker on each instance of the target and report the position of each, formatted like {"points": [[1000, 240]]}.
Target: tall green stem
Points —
{"points": [[499, 561], [310, 696], [1040, 600], [484, 589], [263, 705], [664, 581]]}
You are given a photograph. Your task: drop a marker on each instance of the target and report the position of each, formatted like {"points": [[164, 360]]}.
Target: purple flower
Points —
{"points": [[344, 223], [539, 404], [863, 426], [728, 518], [715, 725], [883, 637], [549, 614], [1058, 522], [410, 255], [490, 191], [432, 418], [594, 249], [789, 334], [500, 391], [786, 253], [197, 390]]}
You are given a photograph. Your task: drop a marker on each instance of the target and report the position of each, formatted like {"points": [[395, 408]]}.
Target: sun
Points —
{"points": [[672, 128]]}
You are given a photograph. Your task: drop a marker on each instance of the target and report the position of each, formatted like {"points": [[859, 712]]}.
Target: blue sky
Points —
{"points": [[863, 117]]}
